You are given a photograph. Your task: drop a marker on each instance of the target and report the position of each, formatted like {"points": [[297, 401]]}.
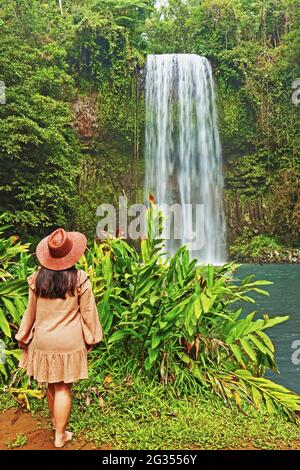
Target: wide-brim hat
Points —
{"points": [[61, 250]]}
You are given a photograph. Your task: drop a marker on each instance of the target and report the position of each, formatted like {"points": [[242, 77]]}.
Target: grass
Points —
{"points": [[145, 415], [19, 441], [7, 401]]}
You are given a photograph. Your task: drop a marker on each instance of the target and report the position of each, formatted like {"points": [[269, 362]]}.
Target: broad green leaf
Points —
{"points": [[259, 283], [270, 404], [237, 398], [117, 336], [197, 308], [153, 353], [15, 287], [274, 321], [257, 397], [184, 357], [259, 344], [266, 340], [248, 349], [4, 326], [171, 315], [237, 352], [10, 307], [206, 302], [155, 341], [144, 249], [3, 370]]}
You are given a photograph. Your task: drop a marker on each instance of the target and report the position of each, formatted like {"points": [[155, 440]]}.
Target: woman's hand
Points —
{"points": [[22, 345], [89, 347]]}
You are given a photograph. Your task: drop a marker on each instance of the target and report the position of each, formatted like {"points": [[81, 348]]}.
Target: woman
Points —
{"points": [[60, 324]]}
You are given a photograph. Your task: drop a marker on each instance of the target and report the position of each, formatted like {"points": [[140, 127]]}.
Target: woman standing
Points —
{"points": [[60, 324]]}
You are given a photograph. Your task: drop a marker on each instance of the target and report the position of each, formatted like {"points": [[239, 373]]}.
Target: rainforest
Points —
{"points": [[178, 101]]}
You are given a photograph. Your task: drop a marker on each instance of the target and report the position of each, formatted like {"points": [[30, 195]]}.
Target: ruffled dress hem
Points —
{"points": [[52, 367]]}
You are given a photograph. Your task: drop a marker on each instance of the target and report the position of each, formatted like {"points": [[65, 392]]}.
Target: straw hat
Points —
{"points": [[61, 249]]}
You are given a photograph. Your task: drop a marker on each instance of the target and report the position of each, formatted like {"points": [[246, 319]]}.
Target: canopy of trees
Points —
{"points": [[71, 131]]}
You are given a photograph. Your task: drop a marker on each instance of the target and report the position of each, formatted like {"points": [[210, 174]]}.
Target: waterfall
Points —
{"points": [[183, 158]]}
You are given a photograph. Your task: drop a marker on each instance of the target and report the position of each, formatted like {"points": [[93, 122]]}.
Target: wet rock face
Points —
{"points": [[86, 119]]}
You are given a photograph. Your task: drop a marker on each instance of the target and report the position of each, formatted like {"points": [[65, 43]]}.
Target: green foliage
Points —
{"points": [[22, 395], [285, 207], [13, 297], [167, 318], [19, 441], [38, 149], [53, 161], [170, 318], [46, 59], [139, 413], [174, 319], [253, 246], [105, 182]]}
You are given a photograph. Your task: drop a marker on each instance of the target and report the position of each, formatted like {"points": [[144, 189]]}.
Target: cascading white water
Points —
{"points": [[182, 148]]}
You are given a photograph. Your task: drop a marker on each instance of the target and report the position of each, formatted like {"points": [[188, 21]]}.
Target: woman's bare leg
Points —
{"points": [[50, 398], [62, 408]]}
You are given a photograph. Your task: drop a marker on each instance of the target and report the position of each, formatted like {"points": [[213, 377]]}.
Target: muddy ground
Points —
{"points": [[39, 436]]}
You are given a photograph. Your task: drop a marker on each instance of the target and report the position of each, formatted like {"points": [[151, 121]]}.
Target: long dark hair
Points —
{"points": [[56, 284]]}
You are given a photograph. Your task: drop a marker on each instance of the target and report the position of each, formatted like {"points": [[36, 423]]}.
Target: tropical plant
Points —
{"points": [[13, 297], [167, 316]]}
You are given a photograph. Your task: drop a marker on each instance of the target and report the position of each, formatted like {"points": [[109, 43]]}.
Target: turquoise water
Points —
{"points": [[284, 299]]}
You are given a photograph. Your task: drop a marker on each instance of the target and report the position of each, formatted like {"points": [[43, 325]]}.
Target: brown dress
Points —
{"points": [[57, 332]]}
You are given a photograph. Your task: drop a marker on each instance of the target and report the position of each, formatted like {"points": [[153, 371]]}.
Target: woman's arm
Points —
{"points": [[92, 329], [25, 332]]}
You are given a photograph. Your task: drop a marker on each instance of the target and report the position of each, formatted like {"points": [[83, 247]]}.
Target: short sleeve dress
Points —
{"points": [[57, 332]]}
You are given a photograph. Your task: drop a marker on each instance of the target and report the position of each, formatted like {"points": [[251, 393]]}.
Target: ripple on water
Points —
{"points": [[284, 299]]}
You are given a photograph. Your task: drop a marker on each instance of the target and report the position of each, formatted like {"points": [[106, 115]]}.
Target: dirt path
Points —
{"points": [[39, 437]]}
